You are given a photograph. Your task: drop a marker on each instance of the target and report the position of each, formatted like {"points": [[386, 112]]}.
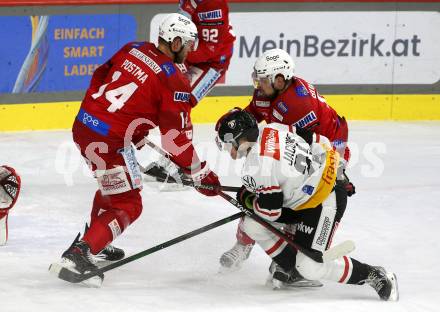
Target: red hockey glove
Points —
{"points": [[204, 176]]}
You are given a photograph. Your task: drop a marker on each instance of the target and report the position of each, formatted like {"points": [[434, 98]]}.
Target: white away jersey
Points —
{"points": [[282, 165]]}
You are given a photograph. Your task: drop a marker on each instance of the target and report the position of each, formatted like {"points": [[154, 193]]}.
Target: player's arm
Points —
{"points": [[176, 136]]}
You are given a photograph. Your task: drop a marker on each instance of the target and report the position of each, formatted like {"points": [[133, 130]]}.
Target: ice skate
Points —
{"points": [[280, 279], [165, 175], [110, 253], [384, 283], [77, 259], [234, 257]]}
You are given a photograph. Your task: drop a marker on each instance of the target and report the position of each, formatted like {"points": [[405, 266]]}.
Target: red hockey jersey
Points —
{"points": [[138, 89], [302, 106], [216, 39]]}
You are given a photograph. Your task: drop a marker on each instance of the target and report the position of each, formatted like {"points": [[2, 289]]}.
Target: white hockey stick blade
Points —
{"points": [[62, 272], [339, 250]]}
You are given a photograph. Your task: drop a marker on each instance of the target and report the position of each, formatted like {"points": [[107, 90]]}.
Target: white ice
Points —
{"points": [[394, 219]]}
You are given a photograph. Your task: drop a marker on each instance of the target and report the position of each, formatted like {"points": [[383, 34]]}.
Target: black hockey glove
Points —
{"points": [[245, 198], [347, 185]]}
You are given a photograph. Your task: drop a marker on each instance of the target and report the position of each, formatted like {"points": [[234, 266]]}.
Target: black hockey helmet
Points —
{"points": [[234, 125]]}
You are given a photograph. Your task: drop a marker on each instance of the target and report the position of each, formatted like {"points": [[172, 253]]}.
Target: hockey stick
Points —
{"points": [[183, 181], [73, 277], [331, 254], [186, 182]]}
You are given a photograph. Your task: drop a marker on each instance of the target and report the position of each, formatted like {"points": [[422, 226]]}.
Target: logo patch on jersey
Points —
{"points": [[270, 143], [277, 115], [181, 96], [308, 189], [282, 107], [146, 60], [304, 228], [168, 68], [262, 103], [301, 91], [210, 15], [92, 122], [249, 183], [306, 120]]}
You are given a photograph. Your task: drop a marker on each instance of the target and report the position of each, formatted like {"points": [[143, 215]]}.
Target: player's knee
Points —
{"points": [[308, 268], [253, 229]]}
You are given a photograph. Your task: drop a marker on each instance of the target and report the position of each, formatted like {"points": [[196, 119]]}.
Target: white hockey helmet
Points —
{"points": [[178, 25], [272, 63]]}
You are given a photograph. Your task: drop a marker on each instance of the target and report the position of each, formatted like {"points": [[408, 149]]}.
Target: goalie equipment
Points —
{"points": [[9, 189]]}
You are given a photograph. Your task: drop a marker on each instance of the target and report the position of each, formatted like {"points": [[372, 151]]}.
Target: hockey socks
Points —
{"points": [[105, 228]]}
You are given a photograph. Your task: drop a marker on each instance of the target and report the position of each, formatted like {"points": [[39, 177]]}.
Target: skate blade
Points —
{"points": [[67, 274], [394, 295], [276, 284]]}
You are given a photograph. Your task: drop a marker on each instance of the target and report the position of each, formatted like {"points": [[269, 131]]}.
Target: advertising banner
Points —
{"points": [[383, 47], [58, 53]]}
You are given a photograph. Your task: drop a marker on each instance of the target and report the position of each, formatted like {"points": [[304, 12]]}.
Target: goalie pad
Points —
{"points": [[10, 184], [9, 189]]}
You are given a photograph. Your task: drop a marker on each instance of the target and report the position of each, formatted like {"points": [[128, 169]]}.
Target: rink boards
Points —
{"points": [[60, 115]]}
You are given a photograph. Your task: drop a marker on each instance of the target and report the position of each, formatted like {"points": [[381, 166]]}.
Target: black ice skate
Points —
{"points": [[385, 283], [110, 253], [280, 279], [77, 260]]}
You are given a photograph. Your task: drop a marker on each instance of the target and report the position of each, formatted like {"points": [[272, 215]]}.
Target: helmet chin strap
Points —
{"points": [[244, 149]]}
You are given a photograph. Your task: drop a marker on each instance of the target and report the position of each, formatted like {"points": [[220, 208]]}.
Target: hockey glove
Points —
{"points": [[245, 197], [9, 187], [204, 175], [345, 183]]}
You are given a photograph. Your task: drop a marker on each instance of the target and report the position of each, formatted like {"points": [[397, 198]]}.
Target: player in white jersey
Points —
{"points": [[289, 179]]}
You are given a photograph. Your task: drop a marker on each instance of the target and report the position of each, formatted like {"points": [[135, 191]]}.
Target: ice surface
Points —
{"points": [[394, 219]]}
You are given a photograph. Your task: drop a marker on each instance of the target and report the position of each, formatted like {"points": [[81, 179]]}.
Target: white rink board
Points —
{"points": [[339, 47]]}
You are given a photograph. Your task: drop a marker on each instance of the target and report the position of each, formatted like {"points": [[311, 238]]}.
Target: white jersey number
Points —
{"points": [[117, 97], [210, 35]]}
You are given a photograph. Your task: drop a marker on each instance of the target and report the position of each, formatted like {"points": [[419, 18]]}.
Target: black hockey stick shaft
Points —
{"points": [[210, 187], [82, 277], [316, 256]]}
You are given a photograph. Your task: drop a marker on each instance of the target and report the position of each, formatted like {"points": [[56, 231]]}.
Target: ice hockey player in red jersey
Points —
{"points": [[10, 184], [204, 67], [209, 63], [281, 97], [288, 178], [139, 88]]}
